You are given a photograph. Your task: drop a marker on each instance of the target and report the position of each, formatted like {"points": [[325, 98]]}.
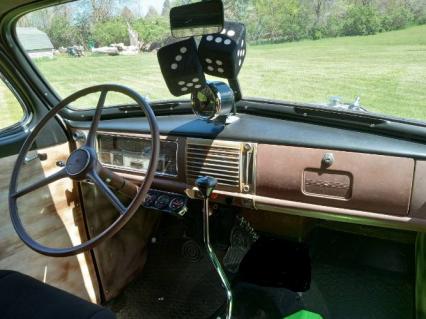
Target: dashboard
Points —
{"points": [[352, 176]]}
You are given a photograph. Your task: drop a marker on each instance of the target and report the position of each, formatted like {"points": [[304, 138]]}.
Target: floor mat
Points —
{"points": [[353, 277], [178, 282]]}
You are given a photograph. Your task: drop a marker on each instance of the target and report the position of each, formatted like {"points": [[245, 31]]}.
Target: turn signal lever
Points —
{"points": [[206, 185]]}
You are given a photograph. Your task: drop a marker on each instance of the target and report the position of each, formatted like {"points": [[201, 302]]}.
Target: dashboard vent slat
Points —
{"points": [[219, 159]]}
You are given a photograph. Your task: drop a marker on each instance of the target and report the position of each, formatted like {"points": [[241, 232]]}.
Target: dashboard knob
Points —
{"points": [[328, 159]]}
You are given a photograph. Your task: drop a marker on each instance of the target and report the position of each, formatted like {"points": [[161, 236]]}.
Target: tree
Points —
{"points": [[151, 12], [101, 10], [61, 32], [127, 14], [154, 29], [111, 31], [166, 8], [361, 20]]}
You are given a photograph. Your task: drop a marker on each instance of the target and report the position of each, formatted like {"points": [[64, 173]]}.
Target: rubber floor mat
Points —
{"points": [[178, 282]]}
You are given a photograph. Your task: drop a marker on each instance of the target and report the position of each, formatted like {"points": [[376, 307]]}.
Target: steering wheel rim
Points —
{"points": [[89, 170]]}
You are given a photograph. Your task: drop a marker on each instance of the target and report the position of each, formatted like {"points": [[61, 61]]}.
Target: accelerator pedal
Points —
{"points": [[243, 236]]}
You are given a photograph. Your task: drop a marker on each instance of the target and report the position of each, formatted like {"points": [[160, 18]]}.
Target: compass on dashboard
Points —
{"points": [[215, 101]]}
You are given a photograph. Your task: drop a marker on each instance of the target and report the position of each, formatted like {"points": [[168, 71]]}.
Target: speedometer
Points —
{"points": [[162, 202]]}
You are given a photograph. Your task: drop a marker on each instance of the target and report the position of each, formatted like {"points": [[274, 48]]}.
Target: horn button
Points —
{"points": [[78, 162]]}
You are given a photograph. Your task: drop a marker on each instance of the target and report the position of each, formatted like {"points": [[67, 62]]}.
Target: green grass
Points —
{"points": [[10, 110], [388, 72]]}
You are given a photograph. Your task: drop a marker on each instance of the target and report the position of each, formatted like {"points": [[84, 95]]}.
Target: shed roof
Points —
{"points": [[33, 39]]}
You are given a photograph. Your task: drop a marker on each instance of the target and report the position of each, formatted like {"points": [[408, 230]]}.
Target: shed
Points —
{"points": [[35, 42]]}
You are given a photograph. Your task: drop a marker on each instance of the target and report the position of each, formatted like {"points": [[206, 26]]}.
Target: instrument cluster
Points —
{"points": [[132, 153], [174, 204]]}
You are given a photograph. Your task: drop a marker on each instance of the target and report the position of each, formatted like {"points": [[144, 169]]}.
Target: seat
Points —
{"points": [[23, 297]]}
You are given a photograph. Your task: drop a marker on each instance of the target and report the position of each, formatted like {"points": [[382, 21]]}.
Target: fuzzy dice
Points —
{"points": [[181, 67], [222, 54]]}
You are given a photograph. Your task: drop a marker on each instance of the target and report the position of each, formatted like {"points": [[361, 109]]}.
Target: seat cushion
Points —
{"points": [[23, 297]]}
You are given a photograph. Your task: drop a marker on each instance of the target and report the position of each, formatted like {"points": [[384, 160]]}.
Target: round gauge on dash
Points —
{"points": [[177, 203], [150, 200], [162, 202]]}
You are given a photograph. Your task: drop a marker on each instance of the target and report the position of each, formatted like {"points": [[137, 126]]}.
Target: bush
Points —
{"points": [[111, 31], [396, 18], [154, 29], [361, 20], [61, 32]]}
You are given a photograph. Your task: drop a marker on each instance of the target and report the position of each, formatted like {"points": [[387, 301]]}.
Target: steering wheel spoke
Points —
{"points": [[104, 188], [91, 137], [43, 182], [82, 164]]}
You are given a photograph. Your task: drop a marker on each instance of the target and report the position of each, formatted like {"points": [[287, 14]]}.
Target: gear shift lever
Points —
{"points": [[206, 185]]}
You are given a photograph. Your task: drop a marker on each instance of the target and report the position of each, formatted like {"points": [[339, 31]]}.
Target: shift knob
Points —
{"points": [[206, 185]]}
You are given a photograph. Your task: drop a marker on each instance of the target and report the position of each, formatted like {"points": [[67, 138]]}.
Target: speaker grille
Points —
{"points": [[219, 159]]}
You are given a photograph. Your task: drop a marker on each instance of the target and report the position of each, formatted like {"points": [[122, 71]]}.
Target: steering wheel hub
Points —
{"points": [[78, 162]]}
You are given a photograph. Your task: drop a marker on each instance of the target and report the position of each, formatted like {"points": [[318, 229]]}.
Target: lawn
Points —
{"points": [[388, 72]]}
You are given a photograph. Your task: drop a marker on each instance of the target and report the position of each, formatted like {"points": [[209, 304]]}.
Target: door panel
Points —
{"points": [[52, 215]]}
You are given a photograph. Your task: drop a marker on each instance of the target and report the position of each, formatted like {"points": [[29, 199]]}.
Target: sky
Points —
{"points": [[143, 5]]}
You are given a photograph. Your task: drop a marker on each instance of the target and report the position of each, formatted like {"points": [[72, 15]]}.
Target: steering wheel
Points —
{"points": [[83, 164]]}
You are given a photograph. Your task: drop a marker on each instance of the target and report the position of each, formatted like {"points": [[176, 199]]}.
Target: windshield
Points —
{"points": [[325, 52]]}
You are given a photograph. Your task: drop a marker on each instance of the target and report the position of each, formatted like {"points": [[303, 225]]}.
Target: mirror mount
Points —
{"points": [[234, 84]]}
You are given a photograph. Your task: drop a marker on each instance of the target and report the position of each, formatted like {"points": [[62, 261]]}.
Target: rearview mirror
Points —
{"points": [[195, 19]]}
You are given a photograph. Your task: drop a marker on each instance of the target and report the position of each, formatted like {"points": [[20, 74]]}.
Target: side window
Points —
{"points": [[11, 110]]}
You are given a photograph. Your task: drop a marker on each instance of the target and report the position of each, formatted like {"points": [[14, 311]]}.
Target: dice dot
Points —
{"points": [[244, 53], [178, 58], [227, 42], [181, 83], [210, 68], [223, 31], [239, 62], [197, 86], [209, 38], [218, 40], [183, 50], [189, 84], [220, 70], [195, 80], [231, 33], [242, 42], [208, 60], [184, 89], [218, 62], [174, 66]]}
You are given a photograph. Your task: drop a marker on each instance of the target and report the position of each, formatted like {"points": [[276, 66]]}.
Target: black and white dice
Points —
{"points": [[181, 67], [222, 54]]}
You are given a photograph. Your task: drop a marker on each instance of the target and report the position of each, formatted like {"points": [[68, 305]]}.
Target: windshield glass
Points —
{"points": [[325, 52]]}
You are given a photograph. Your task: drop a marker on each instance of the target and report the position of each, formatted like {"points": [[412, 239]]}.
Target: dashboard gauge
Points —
{"points": [[204, 103], [162, 202], [150, 200], [177, 203], [214, 100]]}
